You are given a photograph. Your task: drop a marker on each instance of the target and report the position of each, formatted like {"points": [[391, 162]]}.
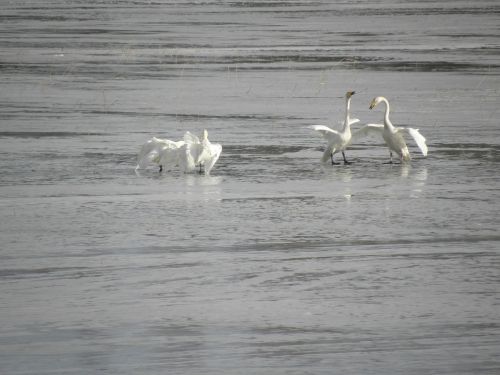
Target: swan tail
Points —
{"points": [[405, 154], [327, 155]]}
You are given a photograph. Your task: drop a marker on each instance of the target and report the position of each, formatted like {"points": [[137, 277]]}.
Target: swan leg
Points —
{"points": [[345, 160], [161, 168], [200, 172], [390, 156]]}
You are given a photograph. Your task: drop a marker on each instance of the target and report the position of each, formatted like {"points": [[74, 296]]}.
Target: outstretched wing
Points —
{"points": [[325, 131], [367, 130], [418, 138], [353, 121]]}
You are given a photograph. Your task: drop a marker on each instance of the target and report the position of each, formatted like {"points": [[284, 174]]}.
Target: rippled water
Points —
{"points": [[274, 264]]}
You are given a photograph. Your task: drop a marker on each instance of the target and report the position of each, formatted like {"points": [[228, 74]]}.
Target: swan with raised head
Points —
{"points": [[392, 135], [337, 140]]}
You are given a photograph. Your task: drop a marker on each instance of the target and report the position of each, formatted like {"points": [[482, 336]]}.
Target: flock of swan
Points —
{"points": [[191, 153]]}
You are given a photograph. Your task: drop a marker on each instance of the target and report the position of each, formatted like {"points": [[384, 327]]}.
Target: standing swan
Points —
{"points": [[393, 136], [202, 153], [337, 141]]}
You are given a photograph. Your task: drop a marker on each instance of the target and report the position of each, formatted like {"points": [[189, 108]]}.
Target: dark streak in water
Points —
{"points": [[52, 134], [273, 199], [9, 273], [261, 149]]}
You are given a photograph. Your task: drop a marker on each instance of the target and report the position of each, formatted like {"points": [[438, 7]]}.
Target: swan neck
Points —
{"points": [[387, 121], [347, 109]]}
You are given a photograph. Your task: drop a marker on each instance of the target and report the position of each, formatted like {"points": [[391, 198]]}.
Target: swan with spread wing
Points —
{"points": [[392, 135], [337, 140]]}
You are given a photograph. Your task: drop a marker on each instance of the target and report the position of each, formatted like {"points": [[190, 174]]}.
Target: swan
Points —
{"points": [[393, 136], [202, 153], [163, 152], [337, 140], [185, 154]]}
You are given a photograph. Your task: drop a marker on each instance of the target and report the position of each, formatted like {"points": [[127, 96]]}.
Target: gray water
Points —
{"points": [[275, 264]]}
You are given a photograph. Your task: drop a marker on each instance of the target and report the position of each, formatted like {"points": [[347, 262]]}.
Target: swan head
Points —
{"points": [[348, 94], [376, 101]]}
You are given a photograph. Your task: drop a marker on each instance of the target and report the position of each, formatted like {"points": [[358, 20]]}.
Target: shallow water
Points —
{"points": [[275, 264]]}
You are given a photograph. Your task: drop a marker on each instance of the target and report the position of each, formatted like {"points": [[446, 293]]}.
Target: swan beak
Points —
{"points": [[372, 104], [350, 93]]}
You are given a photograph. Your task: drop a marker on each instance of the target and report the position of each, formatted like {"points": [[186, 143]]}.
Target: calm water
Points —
{"points": [[274, 264]]}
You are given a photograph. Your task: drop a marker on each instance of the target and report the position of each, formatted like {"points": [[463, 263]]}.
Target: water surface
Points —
{"points": [[275, 264]]}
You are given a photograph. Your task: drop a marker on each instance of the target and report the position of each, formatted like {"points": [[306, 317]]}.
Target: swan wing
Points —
{"points": [[215, 151], [205, 152], [418, 138], [168, 157], [150, 146], [191, 138], [186, 160], [144, 160], [351, 121], [325, 131], [168, 144], [150, 151], [195, 152], [368, 130]]}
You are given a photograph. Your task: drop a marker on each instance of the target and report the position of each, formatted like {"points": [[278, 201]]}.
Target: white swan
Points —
{"points": [[393, 136], [185, 154], [337, 140], [162, 152], [202, 153]]}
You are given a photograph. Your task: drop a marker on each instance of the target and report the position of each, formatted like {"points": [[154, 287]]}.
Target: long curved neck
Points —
{"points": [[347, 117], [387, 121]]}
